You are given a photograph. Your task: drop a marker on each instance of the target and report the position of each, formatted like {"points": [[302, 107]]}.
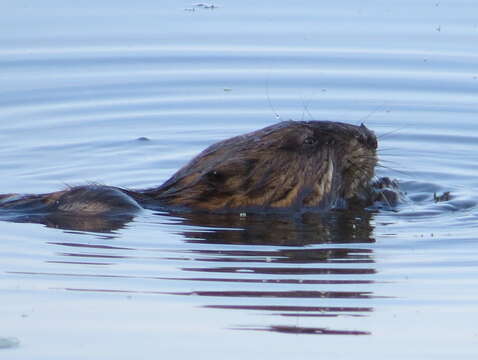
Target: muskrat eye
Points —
{"points": [[310, 141]]}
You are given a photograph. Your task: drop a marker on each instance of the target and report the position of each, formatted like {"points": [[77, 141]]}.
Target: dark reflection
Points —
{"points": [[302, 330], [283, 256], [101, 224], [281, 230], [276, 252], [286, 271], [320, 310], [284, 266], [282, 294]]}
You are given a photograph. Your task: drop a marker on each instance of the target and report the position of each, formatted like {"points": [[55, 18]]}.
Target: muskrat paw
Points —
{"points": [[387, 192]]}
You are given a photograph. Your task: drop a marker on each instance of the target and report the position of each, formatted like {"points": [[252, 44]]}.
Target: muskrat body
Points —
{"points": [[289, 166]]}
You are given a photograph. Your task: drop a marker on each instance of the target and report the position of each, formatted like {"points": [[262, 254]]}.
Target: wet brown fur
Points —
{"points": [[290, 165]]}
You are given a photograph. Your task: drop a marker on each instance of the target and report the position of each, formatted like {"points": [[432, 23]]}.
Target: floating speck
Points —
{"points": [[205, 6], [9, 342]]}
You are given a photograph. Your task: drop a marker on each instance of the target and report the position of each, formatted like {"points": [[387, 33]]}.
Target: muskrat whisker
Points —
{"points": [[277, 116], [382, 136], [387, 201], [389, 155], [394, 170], [302, 115], [373, 112], [382, 149], [389, 161], [366, 157], [362, 173], [306, 108]]}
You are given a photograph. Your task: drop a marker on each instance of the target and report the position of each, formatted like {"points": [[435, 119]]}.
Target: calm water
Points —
{"points": [[82, 82]]}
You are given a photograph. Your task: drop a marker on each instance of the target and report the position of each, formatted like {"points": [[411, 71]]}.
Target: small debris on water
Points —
{"points": [[443, 197], [205, 6], [9, 342], [227, 89]]}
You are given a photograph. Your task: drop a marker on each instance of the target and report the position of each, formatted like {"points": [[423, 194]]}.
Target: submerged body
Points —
{"points": [[290, 166]]}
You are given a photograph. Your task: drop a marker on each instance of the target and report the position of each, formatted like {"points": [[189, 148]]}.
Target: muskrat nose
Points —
{"points": [[371, 141], [367, 137]]}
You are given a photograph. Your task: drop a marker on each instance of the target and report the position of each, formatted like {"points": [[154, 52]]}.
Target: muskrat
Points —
{"points": [[289, 166]]}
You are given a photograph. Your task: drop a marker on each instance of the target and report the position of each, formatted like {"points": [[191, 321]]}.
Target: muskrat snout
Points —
{"points": [[368, 137]]}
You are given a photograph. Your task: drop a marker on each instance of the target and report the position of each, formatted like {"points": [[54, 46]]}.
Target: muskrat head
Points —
{"points": [[290, 165]]}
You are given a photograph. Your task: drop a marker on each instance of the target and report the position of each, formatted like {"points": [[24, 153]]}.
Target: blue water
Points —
{"points": [[83, 81]]}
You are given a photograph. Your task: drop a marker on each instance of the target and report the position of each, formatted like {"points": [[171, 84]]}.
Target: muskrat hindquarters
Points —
{"points": [[290, 165]]}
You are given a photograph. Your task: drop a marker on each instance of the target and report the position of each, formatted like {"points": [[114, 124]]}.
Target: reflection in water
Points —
{"points": [[305, 266], [320, 311], [301, 256], [102, 224], [304, 330], [304, 229]]}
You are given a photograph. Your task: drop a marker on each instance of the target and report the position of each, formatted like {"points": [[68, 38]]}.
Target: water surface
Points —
{"points": [[83, 83]]}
